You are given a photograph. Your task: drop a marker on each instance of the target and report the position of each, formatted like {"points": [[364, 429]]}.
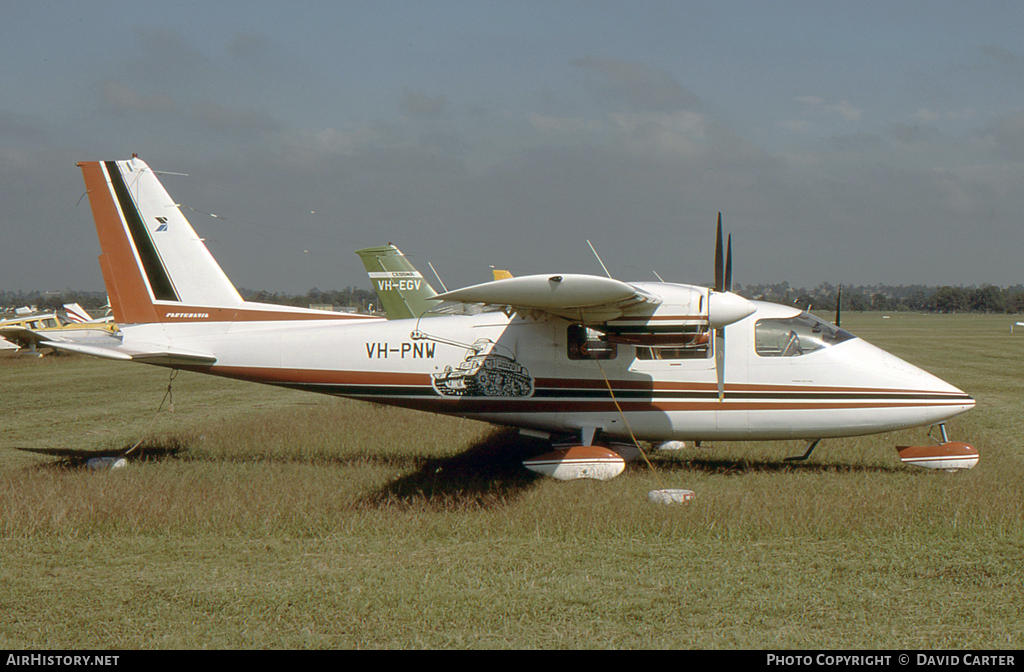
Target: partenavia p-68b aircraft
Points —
{"points": [[588, 357]]}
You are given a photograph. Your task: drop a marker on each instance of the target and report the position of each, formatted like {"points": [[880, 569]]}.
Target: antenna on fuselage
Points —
{"points": [[437, 276], [599, 260]]}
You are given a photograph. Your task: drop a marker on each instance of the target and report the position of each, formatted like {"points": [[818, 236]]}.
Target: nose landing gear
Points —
{"points": [[947, 455]]}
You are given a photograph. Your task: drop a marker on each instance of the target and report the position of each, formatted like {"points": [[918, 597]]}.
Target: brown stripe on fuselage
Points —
{"points": [[246, 313], [320, 376], [377, 382], [669, 386], [472, 405]]}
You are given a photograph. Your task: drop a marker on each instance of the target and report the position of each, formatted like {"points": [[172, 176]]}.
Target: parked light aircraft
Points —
{"points": [[31, 332], [553, 355]]}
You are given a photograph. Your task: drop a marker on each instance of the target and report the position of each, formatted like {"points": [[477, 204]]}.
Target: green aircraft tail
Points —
{"points": [[401, 289]]}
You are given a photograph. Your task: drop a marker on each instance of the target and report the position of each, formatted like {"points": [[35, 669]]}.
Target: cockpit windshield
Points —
{"points": [[795, 336]]}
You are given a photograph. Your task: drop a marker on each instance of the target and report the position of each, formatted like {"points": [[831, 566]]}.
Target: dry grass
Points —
{"points": [[296, 521]]}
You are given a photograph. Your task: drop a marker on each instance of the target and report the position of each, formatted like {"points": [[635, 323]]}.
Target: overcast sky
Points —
{"points": [[843, 142]]}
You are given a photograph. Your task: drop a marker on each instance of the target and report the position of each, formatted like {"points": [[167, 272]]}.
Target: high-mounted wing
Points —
{"points": [[589, 299]]}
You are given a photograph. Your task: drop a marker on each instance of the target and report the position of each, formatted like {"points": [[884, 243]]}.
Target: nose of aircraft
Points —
{"points": [[904, 383]]}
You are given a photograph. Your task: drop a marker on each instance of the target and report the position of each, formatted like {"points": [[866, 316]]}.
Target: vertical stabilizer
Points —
{"points": [[402, 290], [76, 313], [152, 258], [156, 268]]}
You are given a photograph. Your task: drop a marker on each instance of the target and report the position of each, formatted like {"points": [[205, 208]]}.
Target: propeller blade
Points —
{"points": [[720, 361], [839, 307], [728, 265], [719, 275], [723, 278]]}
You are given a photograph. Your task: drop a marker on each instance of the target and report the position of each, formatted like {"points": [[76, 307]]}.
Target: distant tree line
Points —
{"points": [[363, 300], [915, 298], [50, 301]]}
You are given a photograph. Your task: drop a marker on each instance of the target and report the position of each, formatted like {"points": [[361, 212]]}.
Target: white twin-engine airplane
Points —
{"points": [[586, 357]]}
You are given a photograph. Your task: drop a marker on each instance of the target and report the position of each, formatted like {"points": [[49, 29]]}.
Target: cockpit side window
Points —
{"points": [[795, 336]]}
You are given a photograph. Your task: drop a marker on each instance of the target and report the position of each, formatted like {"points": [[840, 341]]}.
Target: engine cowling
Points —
{"points": [[724, 308]]}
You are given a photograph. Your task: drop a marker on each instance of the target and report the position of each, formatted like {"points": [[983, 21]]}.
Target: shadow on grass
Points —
{"points": [[740, 466], [487, 475], [147, 451]]}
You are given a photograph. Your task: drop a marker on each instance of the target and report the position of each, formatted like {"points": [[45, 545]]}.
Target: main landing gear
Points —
{"points": [[580, 457]]}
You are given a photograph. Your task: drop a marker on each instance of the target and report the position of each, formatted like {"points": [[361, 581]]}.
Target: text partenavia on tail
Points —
{"points": [[588, 357]]}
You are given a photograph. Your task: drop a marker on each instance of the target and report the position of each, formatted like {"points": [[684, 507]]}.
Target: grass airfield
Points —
{"points": [[289, 520]]}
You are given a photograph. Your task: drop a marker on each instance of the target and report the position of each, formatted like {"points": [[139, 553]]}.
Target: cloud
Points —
{"points": [[1001, 55], [915, 134], [226, 119], [552, 124], [930, 117], [304, 146], [162, 57], [927, 116], [636, 85], [22, 127], [418, 105], [118, 98], [1006, 137], [249, 46], [795, 125], [857, 142], [817, 105]]}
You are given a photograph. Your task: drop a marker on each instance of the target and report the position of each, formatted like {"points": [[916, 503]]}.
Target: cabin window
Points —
{"points": [[795, 336], [584, 343], [701, 351]]}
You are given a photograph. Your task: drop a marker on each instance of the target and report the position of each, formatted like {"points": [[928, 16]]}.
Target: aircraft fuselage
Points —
{"points": [[518, 371]]}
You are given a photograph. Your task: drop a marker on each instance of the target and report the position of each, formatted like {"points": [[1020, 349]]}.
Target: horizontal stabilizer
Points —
{"points": [[159, 358]]}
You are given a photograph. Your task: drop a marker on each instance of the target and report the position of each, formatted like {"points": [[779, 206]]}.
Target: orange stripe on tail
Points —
{"points": [[129, 294]]}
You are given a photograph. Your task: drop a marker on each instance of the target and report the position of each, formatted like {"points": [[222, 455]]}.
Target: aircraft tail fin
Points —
{"points": [[76, 313], [155, 267], [402, 290]]}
